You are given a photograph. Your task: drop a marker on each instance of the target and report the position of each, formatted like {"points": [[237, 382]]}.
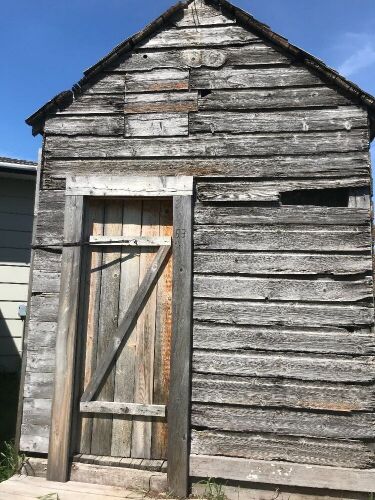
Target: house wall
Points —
{"points": [[283, 303], [16, 222]]}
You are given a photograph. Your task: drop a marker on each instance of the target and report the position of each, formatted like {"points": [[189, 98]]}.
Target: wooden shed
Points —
{"points": [[202, 292]]}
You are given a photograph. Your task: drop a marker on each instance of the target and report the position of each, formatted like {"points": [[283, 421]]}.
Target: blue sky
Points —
{"points": [[45, 46]]}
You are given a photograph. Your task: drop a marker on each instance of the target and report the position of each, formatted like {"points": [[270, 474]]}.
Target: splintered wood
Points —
{"points": [[126, 417]]}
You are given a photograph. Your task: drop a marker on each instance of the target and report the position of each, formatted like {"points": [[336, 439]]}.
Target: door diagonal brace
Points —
{"points": [[125, 326]]}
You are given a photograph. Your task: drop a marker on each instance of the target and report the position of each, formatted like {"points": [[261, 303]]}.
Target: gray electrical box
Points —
{"points": [[22, 310]]}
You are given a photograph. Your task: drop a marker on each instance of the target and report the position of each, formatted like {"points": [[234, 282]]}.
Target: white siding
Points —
{"points": [[16, 219]]}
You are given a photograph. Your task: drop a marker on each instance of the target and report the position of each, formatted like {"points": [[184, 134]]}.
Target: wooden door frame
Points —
{"points": [[77, 190]]}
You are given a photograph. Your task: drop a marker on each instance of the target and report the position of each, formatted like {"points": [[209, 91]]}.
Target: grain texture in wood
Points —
{"points": [[276, 392], [334, 453], [157, 124], [85, 125], [157, 80], [161, 102]]}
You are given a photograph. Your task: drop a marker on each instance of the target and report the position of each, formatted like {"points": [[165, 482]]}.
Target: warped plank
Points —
{"points": [[261, 471], [107, 83], [283, 238], [116, 408], [207, 145], [246, 55], [277, 98], [204, 214], [319, 340], [161, 102], [85, 125], [285, 422], [156, 124], [199, 37], [157, 80], [265, 190], [322, 165], [264, 313], [263, 447], [295, 366], [343, 118], [47, 260], [318, 290], [239, 78], [261, 263], [268, 392], [46, 282]]}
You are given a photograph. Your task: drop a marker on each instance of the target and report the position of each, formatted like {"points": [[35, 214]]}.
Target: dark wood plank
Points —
{"points": [[59, 445], [157, 80], [85, 125], [179, 394], [161, 102]]}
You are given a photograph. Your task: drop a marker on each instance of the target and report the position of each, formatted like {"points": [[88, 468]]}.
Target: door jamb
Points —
{"points": [[77, 189]]}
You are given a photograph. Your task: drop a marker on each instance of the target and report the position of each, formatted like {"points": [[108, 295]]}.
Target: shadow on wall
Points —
{"points": [[9, 382], [10, 357]]}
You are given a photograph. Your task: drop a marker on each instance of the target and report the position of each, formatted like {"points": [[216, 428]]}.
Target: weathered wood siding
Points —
{"points": [[284, 347]]}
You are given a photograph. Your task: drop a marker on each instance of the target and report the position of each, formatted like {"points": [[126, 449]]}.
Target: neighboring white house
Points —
{"points": [[17, 190]]}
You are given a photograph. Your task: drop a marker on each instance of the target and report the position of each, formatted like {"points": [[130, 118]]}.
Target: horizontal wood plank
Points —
{"points": [[246, 55], [85, 125], [284, 422], [287, 393], [248, 190], [205, 215], [305, 290], [199, 37], [202, 16], [140, 410], [240, 78], [87, 104], [158, 80], [161, 102], [321, 166], [157, 124], [271, 447], [281, 314], [130, 241], [207, 145], [343, 118], [283, 238], [276, 98], [294, 366], [285, 473]]}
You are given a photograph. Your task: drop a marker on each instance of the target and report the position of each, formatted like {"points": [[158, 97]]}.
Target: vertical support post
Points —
{"points": [[62, 403], [179, 392]]}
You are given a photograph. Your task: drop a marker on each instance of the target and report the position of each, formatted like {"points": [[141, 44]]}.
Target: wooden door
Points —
{"points": [[139, 374]]}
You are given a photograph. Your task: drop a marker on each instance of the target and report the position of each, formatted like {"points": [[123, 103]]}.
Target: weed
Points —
{"points": [[213, 490], [10, 461]]}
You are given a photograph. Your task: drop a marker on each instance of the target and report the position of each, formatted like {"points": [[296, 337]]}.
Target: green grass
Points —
{"points": [[10, 461]]}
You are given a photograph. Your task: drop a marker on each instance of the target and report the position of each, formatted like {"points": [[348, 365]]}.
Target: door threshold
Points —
{"points": [[125, 462]]}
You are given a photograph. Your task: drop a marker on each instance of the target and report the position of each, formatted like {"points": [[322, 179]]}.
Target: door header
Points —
{"points": [[129, 186]]}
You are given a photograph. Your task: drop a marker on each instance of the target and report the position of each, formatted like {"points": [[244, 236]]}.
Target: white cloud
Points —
{"points": [[361, 50]]}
